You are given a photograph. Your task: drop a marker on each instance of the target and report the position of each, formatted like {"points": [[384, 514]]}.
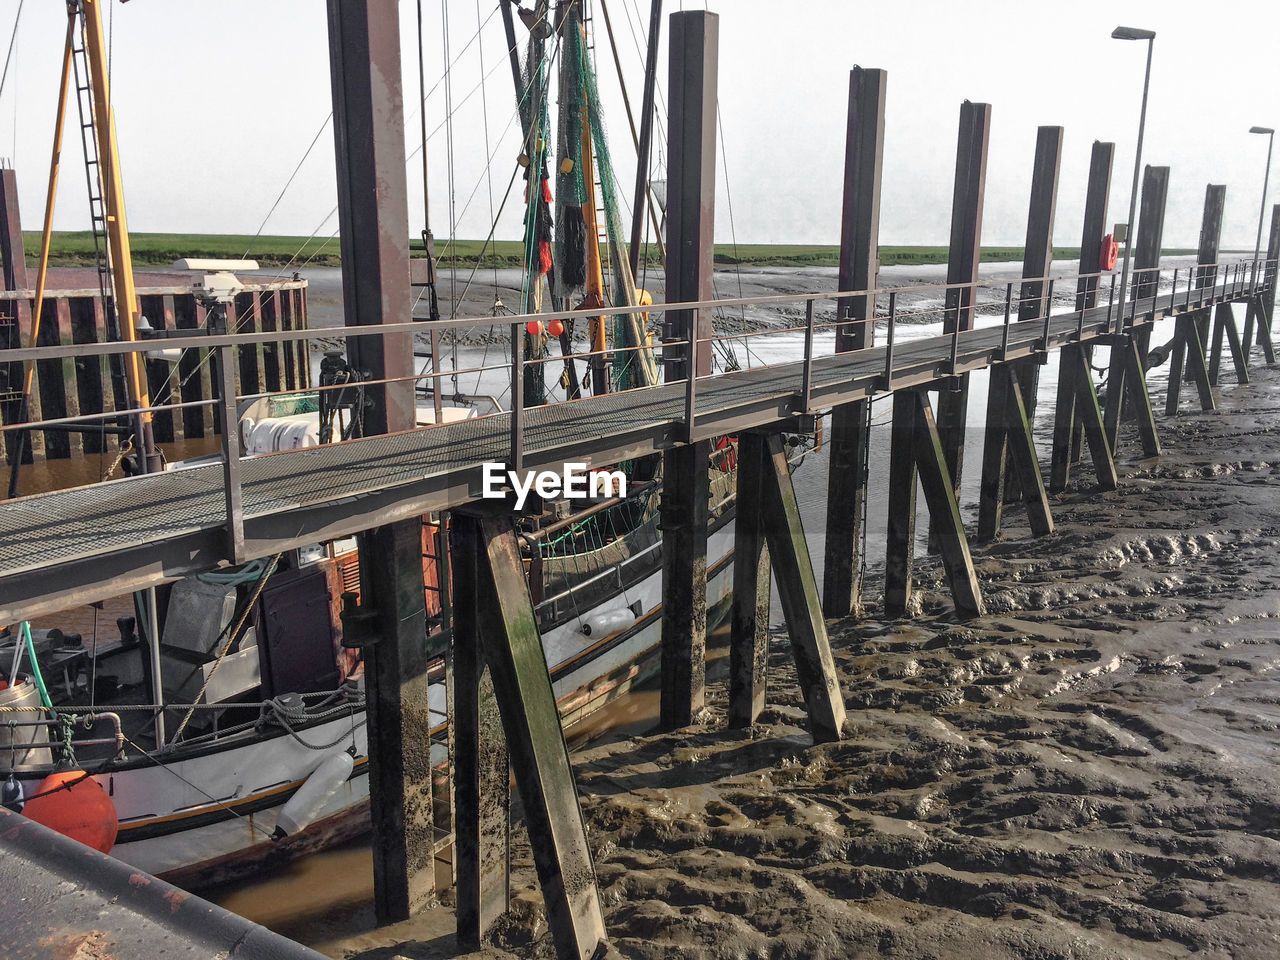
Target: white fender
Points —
{"points": [[315, 791]]}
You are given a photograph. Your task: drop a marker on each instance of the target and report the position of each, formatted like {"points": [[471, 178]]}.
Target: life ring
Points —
{"points": [[1110, 250]]}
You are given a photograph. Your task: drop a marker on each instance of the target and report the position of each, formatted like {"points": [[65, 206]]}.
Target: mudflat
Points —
{"points": [[1090, 770]]}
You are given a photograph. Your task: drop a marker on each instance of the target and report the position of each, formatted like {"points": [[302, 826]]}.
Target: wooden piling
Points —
{"points": [[749, 618], [691, 222], [368, 120], [1188, 339], [1037, 261], [859, 270], [963, 256], [1127, 379], [1065, 422]]}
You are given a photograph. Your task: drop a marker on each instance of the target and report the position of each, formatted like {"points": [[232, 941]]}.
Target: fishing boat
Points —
{"points": [[251, 746]]}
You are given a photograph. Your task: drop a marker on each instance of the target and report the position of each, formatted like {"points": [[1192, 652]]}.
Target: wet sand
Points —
{"points": [[1087, 771]]}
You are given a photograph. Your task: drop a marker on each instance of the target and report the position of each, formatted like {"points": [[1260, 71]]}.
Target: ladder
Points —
{"points": [[97, 205]]}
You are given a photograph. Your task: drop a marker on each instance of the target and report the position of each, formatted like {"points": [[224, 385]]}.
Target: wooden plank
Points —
{"points": [[797, 586], [58, 313], [859, 270], [749, 623]]}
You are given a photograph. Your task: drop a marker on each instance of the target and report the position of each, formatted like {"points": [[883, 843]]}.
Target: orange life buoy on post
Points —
{"points": [[1110, 250]]}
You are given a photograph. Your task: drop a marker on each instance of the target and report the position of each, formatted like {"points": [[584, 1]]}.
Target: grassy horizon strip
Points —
{"points": [[75, 248]]}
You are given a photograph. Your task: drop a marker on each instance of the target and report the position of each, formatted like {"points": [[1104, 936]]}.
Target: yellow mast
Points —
{"points": [[124, 292]]}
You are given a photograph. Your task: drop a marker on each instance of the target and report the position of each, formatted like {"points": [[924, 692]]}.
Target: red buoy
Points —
{"points": [[77, 807], [555, 328], [534, 327]]}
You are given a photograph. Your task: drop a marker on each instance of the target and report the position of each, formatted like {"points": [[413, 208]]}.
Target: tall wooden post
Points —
{"points": [[1191, 329], [1126, 391], [690, 231], [368, 110], [1065, 422], [1000, 479], [963, 256], [1263, 306], [859, 270], [13, 259]]}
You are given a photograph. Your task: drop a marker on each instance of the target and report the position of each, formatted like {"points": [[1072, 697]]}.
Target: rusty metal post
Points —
{"points": [[691, 222], [368, 108], [859, 270]]}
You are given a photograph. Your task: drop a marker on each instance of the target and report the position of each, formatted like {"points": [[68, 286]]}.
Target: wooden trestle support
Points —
{"points": [[503, 711]]}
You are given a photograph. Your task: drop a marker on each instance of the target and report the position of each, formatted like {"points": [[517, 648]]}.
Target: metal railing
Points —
{"points": [[958, 305]]}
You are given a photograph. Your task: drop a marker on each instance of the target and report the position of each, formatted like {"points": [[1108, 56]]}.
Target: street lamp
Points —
{"points": [[1266, 176], [1134, 33]]}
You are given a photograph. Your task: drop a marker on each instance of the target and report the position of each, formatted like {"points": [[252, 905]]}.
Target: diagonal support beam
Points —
{"points": [[1139, 396], [917, 452], [765, 476], [1224, 324], [501, 624], [1090, 416], [1009, 431], [1188, 348]]}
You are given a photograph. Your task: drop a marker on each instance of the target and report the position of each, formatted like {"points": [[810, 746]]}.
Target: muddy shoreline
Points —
{"points": [[1087, 771]]}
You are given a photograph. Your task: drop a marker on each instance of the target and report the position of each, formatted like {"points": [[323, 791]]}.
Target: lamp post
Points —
{"points": [[1266, 176], [1134, 33]]}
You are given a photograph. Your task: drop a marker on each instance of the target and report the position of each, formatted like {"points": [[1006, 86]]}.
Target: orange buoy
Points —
{"points": [[533, 327], [77, 807], [555, 328], [1110, 251]]}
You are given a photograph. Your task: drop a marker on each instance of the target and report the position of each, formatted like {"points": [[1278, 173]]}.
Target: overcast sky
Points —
{"points": [[217, 101]]}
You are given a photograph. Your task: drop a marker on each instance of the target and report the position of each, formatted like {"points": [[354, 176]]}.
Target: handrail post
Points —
{"points": [[691, 373], [1004, 334], [232, 492], [1174, 292], [1111, 301], [807, 377], [517, 398], [888, 349], [1048, 312]]}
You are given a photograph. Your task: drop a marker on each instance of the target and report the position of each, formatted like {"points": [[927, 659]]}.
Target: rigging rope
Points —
{"points": [[12, 40]]}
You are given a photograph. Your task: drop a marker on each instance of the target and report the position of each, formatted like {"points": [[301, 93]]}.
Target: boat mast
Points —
{"points": [[646, 135], [428, 238]]}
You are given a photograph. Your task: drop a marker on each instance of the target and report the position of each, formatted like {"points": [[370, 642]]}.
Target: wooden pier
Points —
{"points": [[73, 546]]}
